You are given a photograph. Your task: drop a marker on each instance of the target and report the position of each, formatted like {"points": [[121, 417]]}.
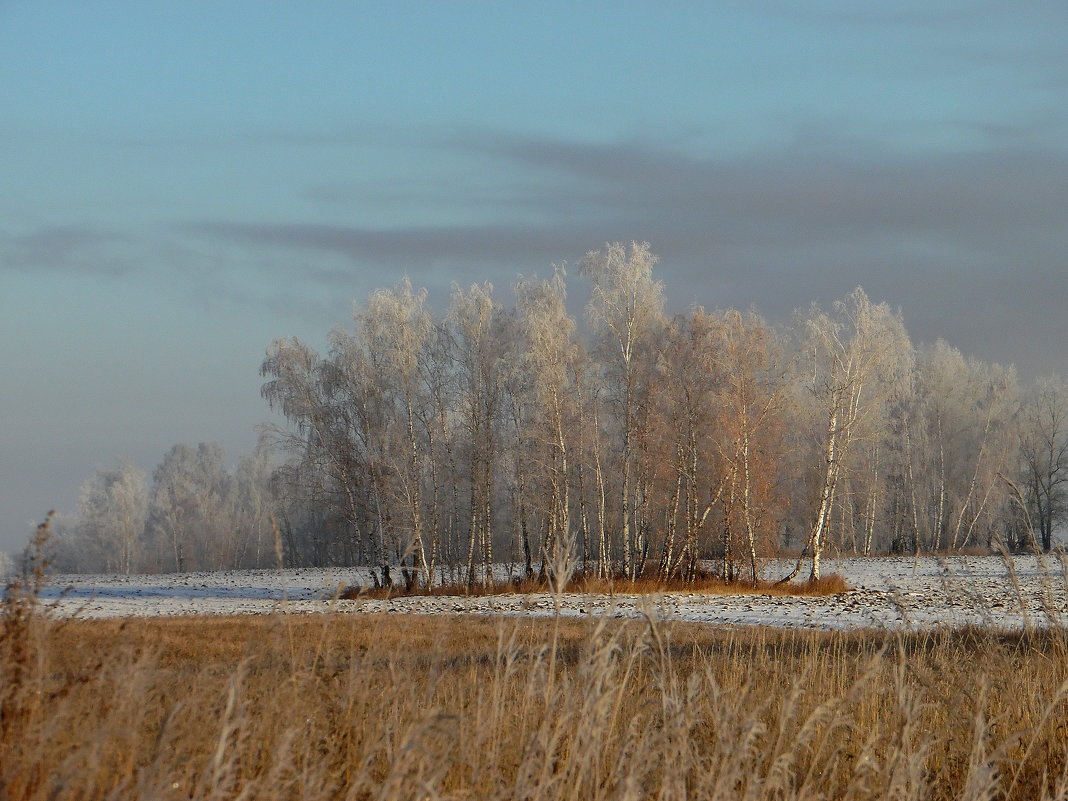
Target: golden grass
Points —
{"points": [[831, 584], [381, 707]]}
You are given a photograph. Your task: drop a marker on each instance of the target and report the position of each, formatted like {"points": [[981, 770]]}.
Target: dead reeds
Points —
{"points": [[336, 706], [342, 706]]}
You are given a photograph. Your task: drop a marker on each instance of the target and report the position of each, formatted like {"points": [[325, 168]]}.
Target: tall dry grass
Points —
{"points": [[379, 707]]}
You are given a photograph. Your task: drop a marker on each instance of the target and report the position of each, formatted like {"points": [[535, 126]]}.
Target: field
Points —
{"points": [[884, 592], [587, 705]]}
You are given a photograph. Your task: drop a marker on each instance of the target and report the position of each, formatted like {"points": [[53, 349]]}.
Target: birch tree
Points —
{"points": [[549, 355], [750, 398], [854, 357], [472, 319], [112, 512], [966, 410], [685, 393], [625, 309], [252, 504], [395, 330], [1044, 448], [187, 512]]}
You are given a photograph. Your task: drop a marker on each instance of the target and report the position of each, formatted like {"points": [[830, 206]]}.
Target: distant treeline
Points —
{"points": [[195, 513], [439, 446]]}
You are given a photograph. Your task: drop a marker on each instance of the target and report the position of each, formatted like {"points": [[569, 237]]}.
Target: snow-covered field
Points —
{"points": [[888, 592]]}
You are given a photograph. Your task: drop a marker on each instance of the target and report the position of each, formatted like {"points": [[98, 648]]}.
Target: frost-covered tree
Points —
{"points": [[112, 511], [395, 330], [476, 348], [626, 310], [853, 360], [548, 353], [188, 507], [1044, 448]]}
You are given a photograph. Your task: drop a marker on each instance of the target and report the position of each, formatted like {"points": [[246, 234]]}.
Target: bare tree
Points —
{"points": [[549, 360], [419, 440], [188, 506], [750, 401], [395, 330], [625, 309], [173, 510], [853, 359], [112, 513], [251, 504], [473, 319], [961, 436], [339, 460], [684, 390], [1044, 447]]}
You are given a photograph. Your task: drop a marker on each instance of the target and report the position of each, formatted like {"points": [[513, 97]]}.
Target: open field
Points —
{"points": [[421, 707], [886, 592]]}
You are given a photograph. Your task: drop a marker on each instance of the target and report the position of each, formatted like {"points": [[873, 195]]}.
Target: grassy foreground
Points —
{"points": [[379, 707]]}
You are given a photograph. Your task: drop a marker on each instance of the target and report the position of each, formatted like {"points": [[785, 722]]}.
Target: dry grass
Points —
{"points": [[380, 707], [708, 584]]}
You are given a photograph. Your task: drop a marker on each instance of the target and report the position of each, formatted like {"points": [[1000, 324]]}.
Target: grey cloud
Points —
{"points": [[1012, 133], [966, 244], [484, 195], [949, 14], [369, 134], [75, 249], [408, 248], [821, 188]]}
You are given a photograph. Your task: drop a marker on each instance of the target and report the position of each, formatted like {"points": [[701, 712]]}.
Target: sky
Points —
{"points": [[184, 182]]}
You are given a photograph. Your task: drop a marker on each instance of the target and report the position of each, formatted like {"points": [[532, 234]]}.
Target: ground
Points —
{"points": [[887, 592]]}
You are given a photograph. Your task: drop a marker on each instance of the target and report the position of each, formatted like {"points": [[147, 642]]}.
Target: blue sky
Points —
{"points": [[185, 181]]}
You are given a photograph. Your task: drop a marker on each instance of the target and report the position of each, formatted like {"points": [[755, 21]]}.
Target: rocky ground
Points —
{"points": [[887, 592]]}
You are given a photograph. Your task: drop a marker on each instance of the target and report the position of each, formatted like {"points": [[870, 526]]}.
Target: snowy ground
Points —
{"points": [[888, 592]]}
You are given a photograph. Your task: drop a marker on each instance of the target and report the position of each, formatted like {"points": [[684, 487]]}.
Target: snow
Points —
{"points": [[887, 592]]}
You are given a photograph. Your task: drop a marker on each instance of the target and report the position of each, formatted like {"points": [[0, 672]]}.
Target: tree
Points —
{"points": [[961, 415], [1044, 448], [333, 481], [251, 505], [112, 512], [685, 392], [750, 399], [854, 358], [625, 310], [188, 505], [395, 330], [549, 354], [442, 439], [473, 323]]}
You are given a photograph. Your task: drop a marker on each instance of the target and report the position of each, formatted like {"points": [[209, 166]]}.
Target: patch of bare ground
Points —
{"points": [[378, 707], [707, 584]]}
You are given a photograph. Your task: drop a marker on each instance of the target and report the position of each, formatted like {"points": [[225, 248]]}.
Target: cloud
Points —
{"points": [[418, 248], [945, 236], [822, 187], [945, 13], [76, 249], [968, 244], [799, 197]]}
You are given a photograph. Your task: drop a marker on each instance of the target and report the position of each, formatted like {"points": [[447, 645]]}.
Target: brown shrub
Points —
{"points": [[704, 584]]}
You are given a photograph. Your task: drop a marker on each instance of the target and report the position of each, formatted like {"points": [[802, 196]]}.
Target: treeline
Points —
{"points": [[194, 513], [433, 447], [499, 434]]}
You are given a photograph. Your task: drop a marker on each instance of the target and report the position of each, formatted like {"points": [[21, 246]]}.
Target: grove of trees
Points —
{"points": [[430, 447], [195, 513]]}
